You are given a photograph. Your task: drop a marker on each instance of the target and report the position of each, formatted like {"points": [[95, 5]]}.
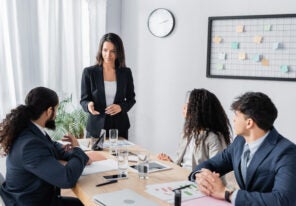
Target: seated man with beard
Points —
{"points": [[34, 173]]}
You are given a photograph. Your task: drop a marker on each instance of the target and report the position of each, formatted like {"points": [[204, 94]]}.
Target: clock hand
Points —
{"points": [[163, 21]]}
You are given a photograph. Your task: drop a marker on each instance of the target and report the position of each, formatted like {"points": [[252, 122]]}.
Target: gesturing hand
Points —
{"points": [[113, 109], [164, 157], [72, 140], [91, 108]]}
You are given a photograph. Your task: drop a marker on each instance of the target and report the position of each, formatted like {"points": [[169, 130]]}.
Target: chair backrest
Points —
{"points": [[2, 175], [1, 202], [3, 166], [2, 179]]}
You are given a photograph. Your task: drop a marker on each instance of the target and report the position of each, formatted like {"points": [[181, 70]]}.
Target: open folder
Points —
{"points": [[121, 198]]}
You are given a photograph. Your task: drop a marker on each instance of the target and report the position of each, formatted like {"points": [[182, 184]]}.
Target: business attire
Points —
{"points": [[93, 89], [209, 146], [270, 175], [34, 175]]}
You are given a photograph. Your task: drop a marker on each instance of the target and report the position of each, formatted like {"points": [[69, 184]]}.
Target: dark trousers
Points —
{"points": [[110, 125], [68, 201]]}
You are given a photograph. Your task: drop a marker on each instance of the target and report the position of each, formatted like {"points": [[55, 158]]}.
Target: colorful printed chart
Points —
{"points": [[165, 192]]}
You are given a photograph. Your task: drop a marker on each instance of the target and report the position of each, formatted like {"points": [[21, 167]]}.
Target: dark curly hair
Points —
{"points": [[205, 113], [257, 106], [37, 101]]}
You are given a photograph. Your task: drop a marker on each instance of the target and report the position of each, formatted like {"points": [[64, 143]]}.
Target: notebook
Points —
{"points": [[125, 197], [100, 166]]}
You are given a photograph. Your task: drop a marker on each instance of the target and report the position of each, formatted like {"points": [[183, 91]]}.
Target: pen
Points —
{"points": [[180, 188], [106, 183]]}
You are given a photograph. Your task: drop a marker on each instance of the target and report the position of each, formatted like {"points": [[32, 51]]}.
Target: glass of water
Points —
{"points": [[113, 138], [143, 164], [122, 160]]}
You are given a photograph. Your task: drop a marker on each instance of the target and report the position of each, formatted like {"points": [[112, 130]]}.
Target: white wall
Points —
{"points": [[165, 68]]}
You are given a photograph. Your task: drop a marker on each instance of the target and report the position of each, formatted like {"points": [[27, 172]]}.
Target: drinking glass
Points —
{"points": [[92, 142], [143, 164], [122, 160], [113, 138], [103, 137], [98, 143]]}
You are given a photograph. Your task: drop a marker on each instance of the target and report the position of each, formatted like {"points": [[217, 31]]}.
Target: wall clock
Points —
{"points": [[161, 22]]}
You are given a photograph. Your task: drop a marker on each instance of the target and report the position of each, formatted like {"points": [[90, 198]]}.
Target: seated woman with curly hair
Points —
{"points": [[206, 130]]}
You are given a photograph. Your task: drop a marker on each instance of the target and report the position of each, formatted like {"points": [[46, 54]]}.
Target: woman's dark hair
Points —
{"points": [[117, 42], [258, 107], [205, 113], [37, 101]]}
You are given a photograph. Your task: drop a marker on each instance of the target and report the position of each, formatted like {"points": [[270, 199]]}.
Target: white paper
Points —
{"points": [[100, 166], [121, 198], [120, 143]]}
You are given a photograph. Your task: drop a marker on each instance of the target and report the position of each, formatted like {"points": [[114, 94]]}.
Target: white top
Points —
{"points": [[187, 159], [110, 91]]}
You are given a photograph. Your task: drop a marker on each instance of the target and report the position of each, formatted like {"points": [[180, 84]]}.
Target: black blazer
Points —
{"points": [[92, 89]]}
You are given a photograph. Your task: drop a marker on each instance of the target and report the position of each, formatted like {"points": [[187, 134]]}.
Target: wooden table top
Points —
{"points": [[85, 188]]}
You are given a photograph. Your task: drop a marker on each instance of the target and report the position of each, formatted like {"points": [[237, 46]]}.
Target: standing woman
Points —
{"points": [[206, 130], [107, 89]]}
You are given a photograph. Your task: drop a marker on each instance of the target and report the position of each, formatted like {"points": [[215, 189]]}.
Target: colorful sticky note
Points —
{"points": [[234, 45], [267, 27], [222, 56], [220, 66], [257, 39], [277, 45], [257, 57], [240, 28], [285, 68], [217, 39], [242, 56], [265, 62]]}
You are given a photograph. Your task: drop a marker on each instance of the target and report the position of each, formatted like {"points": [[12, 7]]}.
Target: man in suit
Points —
{"points": [[34, 169], [264, 162]]}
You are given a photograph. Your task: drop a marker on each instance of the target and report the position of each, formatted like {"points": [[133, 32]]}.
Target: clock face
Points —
{"points": [[161, 22]]}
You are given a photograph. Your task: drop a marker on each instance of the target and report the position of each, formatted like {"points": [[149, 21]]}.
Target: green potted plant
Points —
{"points": [[69, 119]]}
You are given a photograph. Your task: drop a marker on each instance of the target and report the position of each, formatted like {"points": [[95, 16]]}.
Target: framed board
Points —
{"points": [[252, 47]]}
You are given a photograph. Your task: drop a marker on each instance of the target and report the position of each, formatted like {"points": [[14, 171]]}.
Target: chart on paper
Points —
{"points": [[165, 192]]}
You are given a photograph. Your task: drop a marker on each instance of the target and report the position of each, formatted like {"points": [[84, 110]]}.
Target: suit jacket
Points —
{"points": [[34, 172], [271, 173], [208, 148], [92, 89]]}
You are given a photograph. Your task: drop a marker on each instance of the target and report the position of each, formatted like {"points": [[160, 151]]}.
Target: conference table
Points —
{"points": [[86, 188]]}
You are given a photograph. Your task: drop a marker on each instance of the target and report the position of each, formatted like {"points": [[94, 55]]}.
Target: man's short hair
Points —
{"points": [[258, 107]]}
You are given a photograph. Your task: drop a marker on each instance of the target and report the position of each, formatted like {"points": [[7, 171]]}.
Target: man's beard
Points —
{"points": [[50, 124]]}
